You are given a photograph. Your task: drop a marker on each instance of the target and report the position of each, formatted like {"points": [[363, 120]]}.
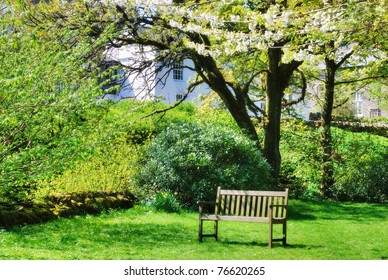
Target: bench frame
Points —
{"points": [[247, 206]]}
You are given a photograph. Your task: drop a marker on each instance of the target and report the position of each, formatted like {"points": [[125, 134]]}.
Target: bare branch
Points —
{"points": [[343, 60], [247, 85], [254, 109], [361, 80], [176, 104], [304, 89], [341, 104]]}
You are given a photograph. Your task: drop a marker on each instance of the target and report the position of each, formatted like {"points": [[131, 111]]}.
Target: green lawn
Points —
{"points": [[316, 230]]}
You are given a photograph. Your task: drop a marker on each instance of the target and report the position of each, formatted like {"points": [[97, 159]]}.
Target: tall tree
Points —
{"points": [[220, 38], [348, 36]]}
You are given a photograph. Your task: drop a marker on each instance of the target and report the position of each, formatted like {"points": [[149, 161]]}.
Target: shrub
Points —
{"points": [[362, 173], [127, 119], [193, 160], [110, 169], [166, 202], [360, 163], [301, 159]]}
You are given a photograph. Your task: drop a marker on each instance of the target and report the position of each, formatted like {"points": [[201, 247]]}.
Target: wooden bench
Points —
{"points": [[247, 206]]}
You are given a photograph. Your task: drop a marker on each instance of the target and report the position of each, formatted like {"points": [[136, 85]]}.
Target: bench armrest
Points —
{"points": [[203, 204]]}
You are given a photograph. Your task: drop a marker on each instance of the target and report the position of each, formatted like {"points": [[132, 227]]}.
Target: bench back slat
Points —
{"points": [[250, 203], [247, 193]]}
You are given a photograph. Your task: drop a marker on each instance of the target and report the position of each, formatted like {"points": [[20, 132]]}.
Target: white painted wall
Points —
{"points": [[144, 86]]}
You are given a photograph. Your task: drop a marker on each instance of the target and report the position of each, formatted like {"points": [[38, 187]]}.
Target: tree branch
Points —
{"points": [[342, 61], [341, 104], [304, 90], [247, 85], [361, 80], [176, 104]]}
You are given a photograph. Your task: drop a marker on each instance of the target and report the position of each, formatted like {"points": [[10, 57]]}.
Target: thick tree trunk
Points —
{"points": [[327, 167], [234, 103], [273, 110], [277, 80]]}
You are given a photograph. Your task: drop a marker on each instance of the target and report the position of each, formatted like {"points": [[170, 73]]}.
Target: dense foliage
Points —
{"points": [[44, 97], [362, 167], [191, 161], [56, 137], [114, 139], [360, 161]]}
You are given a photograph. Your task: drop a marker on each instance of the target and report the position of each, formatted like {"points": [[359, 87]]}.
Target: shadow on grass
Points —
{"points": [[243, 243], [265, 244], [330, 210], [299, 246]]}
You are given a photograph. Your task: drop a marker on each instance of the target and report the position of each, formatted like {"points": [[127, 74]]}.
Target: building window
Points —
{"points": [[375, 113], [262, 105], [118, 74], [113, 78], [179, 96], [358, 103], [177, 71]]}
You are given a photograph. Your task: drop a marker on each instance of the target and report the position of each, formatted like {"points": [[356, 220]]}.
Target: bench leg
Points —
{"points": [[285, 233], [216, 230], [200, 230], [270, 233]]}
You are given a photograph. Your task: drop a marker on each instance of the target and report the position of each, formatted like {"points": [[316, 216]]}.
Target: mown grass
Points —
{"points": [[316, 230]]}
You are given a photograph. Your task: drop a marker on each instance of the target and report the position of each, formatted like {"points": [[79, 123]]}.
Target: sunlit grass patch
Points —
{"points": [[316, 230]]}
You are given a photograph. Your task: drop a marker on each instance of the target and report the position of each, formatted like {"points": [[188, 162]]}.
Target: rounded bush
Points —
{"points": [[192, 160]]}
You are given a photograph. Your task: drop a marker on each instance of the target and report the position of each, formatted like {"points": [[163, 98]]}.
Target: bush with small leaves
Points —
{"points": [[192, 160]]}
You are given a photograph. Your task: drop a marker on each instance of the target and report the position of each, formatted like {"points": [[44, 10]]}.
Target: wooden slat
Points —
{"points": [[258, 206], [276, 209], [238, 205], [233, 205], [222, 205], [227, 207], [242, 206], [248, 206], [271, 201], [234, 218], [217, 207], [254, 204], [240, 218], [281, 209], [252, 193], [264, 207]]}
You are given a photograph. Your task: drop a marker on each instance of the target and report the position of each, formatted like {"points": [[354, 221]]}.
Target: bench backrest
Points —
{"points": [[250, 203]]}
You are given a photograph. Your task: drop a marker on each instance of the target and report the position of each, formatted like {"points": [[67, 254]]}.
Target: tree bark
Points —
{"points": [[327, 167], [274, 96], [208, 70], [277, 80]]}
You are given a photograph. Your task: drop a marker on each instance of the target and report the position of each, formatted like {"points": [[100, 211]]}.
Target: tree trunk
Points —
{"points": [[327, 166], [234, 103], [274, 98]]}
